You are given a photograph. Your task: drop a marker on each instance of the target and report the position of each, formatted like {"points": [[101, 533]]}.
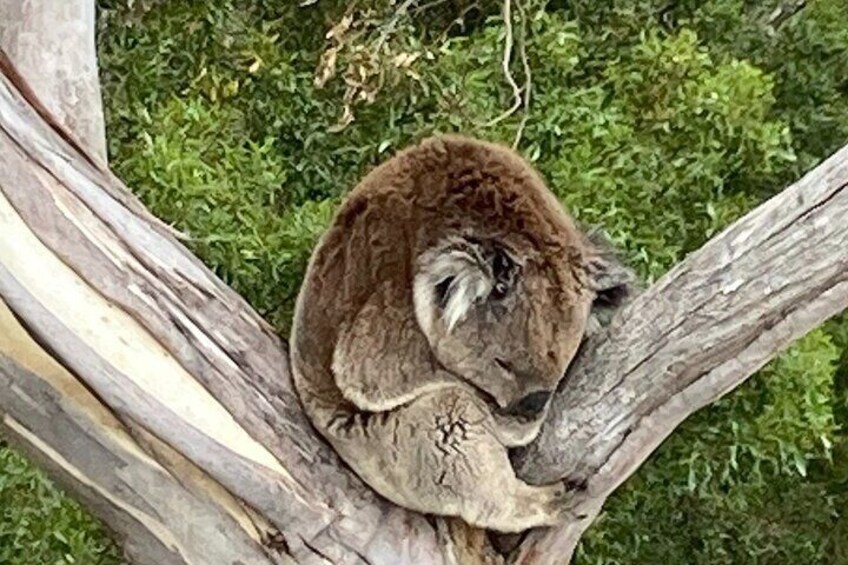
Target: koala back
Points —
{"points": [[438, 314], [357, 341]]}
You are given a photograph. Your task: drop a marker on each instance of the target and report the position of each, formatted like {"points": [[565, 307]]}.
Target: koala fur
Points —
{"points": [[438, 314]]}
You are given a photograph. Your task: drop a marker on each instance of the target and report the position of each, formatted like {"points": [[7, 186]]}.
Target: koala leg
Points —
{"points": [[440, 455]]}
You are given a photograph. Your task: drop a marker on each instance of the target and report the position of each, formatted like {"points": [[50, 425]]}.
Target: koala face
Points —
{"points": [[500, 315]]}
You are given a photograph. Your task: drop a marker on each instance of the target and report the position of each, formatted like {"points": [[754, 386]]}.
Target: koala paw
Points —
{"points": [[559, 507]]}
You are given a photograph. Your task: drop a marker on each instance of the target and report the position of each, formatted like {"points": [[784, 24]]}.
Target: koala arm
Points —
{"points": [[381, 359], [378, 368], [438, 454], [511, 433]]}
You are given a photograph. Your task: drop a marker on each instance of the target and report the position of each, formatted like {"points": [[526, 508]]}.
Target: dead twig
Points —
{"points": [[507, 56], [528, 76]]}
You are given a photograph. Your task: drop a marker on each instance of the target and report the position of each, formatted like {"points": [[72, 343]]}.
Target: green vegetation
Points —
{"points": [[39, 525], [661, 124]]}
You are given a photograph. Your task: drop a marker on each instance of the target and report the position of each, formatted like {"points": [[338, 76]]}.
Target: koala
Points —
{"points": [[438, 314]]}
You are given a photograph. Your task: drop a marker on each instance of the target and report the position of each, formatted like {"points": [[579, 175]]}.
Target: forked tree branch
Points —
{"points": [[163, 401]]}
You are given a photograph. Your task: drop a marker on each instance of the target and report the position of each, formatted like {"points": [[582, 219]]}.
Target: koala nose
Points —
{"points": [[532, 404]]}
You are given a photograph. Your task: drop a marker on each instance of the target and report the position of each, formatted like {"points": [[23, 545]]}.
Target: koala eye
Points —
{"points": [[504, 272], [501, 265], [500, 290]]}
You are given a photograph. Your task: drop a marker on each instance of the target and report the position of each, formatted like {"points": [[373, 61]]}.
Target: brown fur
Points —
{"points": [[421, 411]]}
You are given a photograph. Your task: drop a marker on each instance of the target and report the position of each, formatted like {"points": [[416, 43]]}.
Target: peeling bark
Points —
{"points": [[157, 396], [52, 44]]}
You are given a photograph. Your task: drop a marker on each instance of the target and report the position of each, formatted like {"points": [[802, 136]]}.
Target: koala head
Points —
{"points": [[503, 297], [451, 263], [495, 315]]}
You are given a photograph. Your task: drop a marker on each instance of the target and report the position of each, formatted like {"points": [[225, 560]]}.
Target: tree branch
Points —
{"points": [[505, 64], [52, 44], [69, 433], [166, 347], [700, 331], [159, 397]]}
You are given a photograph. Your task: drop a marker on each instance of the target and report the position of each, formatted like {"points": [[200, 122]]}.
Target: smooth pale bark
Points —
{"points": [[162, 400], [174, 515], [52, 44]]}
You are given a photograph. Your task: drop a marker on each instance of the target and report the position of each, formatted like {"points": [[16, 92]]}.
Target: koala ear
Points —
{"points": [[608, 277], [451, 278]]}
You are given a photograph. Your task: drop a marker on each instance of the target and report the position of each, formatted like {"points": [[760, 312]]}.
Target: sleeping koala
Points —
{"points": [[438, 314]]}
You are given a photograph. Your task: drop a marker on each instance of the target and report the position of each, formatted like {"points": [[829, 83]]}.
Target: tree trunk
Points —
{"points": [[52, 44], [157, 396]]}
